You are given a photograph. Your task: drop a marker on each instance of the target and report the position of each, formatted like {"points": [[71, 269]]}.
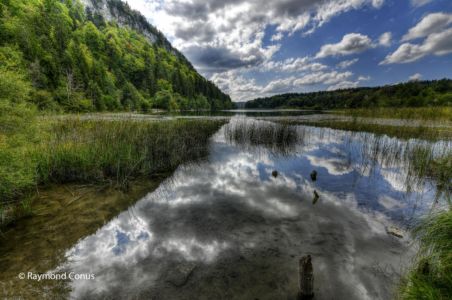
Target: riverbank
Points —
{"points": [[92, 151]]}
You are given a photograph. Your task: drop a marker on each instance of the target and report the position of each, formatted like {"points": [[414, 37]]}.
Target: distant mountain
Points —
{"points": [[95, 55], [413, 93]]}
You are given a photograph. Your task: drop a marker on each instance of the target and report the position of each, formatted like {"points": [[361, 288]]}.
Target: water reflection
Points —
{"points": [[228, 229]]}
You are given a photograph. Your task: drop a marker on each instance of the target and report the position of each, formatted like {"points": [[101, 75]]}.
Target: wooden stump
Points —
{"points": [[306, 278]]}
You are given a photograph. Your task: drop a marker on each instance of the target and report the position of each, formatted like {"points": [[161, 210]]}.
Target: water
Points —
{"points": [[226, 228]]}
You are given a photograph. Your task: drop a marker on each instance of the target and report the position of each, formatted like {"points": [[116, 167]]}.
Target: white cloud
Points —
{"points": [[364, 78], [237, 28], [343, 85], [277, 37], [431, 23], [332, 77], [224, 39], [242, 88], [436, 44], [415, 77], [299, 64], [385, 39], [377, 3], [347, 84], [418, 3], [347, 63], [350, 44]]}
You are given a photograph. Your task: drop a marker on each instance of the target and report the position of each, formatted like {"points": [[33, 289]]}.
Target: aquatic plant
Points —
{"points": [[423, 113], [431, 276], [278, 138], [113, 151]]}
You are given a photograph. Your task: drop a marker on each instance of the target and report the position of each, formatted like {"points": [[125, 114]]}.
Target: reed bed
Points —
{"points": [[401, 132], [279, 138], [418, 160], [97, 151], [422, 113]]}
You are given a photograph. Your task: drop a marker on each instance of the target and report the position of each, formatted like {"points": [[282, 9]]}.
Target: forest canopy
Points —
{"points": [[409, 94], [60, 57]]}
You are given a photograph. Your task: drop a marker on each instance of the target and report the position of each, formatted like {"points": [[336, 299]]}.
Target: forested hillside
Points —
{"points": [[410, 94], [63, 57]]}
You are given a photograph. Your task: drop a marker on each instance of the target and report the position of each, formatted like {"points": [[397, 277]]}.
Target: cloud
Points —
{"points": [[347, 63], [377, 3], [243, 88], [431, 23], [418, 3], [435, 44], [348, 84], [364, 78], [238, 27], [415, 77], [226, 39], [351, 43], [343, 85], [299, 64], [332, 77], [277, 37], [385, 39], [220, 59]]}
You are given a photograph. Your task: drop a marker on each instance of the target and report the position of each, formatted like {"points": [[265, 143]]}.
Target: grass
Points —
{"points": [[277, 137], [421, 159], [431, 277], [401, 132], [423, 113], [113, 151]]}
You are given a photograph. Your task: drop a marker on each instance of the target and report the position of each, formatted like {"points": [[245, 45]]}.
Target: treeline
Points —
{"points": [[58, 57], [410, 94]]}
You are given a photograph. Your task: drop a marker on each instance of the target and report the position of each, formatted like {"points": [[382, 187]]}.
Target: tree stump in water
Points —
{"points": [[314, 175], [306, 277]]}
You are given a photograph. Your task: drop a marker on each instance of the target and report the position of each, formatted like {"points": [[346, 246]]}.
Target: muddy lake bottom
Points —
{"points": [[227, 228]]}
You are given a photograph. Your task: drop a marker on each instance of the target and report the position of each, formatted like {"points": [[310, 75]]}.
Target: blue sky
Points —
{"points": [[260, 48]]}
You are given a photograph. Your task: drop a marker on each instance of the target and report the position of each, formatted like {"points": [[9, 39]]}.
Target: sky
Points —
{"points": [[259, 48]]}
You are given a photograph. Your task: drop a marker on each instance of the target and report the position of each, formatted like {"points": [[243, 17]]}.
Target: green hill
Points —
{"points": [[410, 94], [65, 56]]}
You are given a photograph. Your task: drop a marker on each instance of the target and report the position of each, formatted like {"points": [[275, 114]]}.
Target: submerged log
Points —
{"points": [[306, 278]]}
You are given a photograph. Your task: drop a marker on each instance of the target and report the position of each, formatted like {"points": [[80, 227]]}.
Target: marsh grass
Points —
{"points": [[278, 138], [422, 113], [431, 276], [96, 151], [416, 160], [401, 132], [118, 150]]}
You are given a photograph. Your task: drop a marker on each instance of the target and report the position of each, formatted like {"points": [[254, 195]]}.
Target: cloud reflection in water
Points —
{"points": [[230, 216]]}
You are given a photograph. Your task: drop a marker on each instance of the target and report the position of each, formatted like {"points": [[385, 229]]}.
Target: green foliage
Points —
{"points": [[432, 276], [75, 61], [73, 150], [410, 94]]}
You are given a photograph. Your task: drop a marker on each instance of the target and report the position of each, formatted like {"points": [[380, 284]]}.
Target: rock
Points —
{"points": [[180, 275], [316, 197], [314, 175], [306, 278], [275, 173], [394, 231]]}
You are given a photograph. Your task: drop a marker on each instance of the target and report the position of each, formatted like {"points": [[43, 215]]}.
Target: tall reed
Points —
{"points": [[115, 151]]}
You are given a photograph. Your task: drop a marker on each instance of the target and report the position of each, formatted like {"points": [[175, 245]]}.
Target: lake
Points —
{"points": [[228, 226]]}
